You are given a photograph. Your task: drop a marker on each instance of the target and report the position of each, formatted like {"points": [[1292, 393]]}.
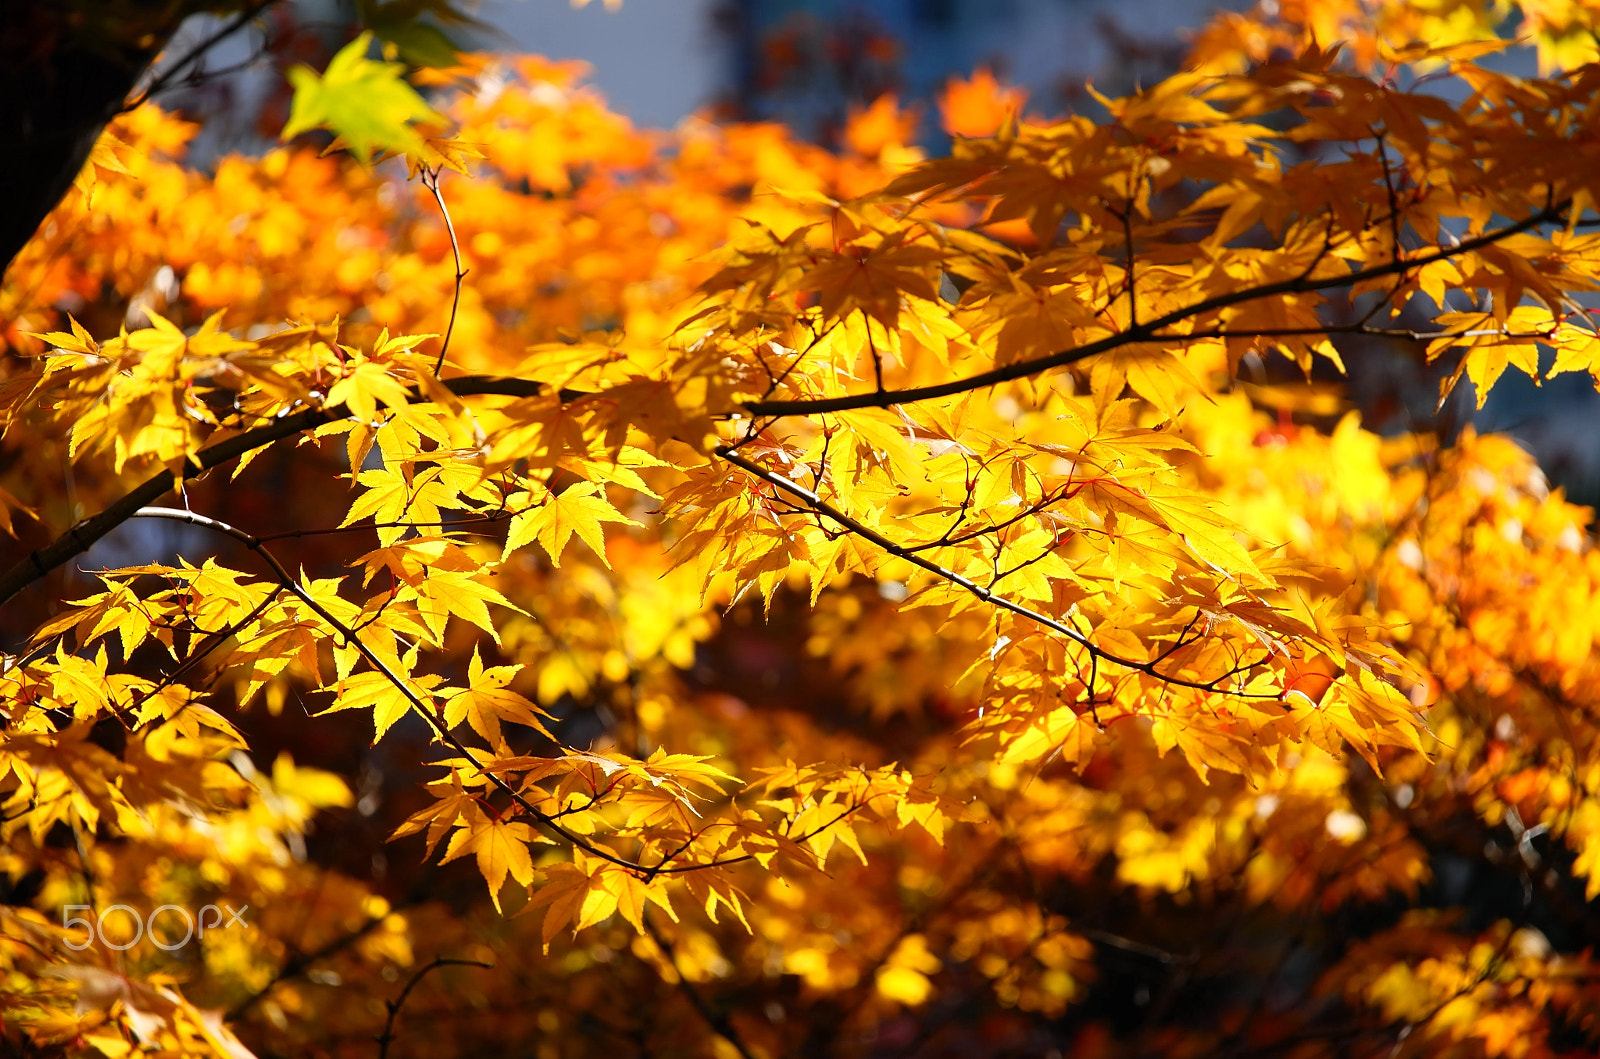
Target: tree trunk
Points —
{"points": [[65, 69]]}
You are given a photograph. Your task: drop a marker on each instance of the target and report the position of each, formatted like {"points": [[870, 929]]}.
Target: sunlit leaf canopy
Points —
{"points": [[813, 602]]}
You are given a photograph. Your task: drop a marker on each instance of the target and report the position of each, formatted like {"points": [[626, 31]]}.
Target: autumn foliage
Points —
{"points": [[592, 591]]}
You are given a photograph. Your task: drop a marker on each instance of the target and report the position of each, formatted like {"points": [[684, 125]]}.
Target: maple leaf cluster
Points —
{"points": [[794, 602]]}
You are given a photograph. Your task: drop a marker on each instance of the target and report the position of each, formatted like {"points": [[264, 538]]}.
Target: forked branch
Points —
{"points": [[545, 821], [387, 1037], [852, 525]]}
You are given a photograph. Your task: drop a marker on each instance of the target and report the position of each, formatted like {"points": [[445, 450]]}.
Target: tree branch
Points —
{"points": [[1147, 331], [715, 1019], [988, 595], [222, 33], [300, 961], [83, 534], [398, 1002], [549, 823]]}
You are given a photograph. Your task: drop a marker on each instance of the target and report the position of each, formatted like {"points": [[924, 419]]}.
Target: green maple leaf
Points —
{"points": [[364, 101]]}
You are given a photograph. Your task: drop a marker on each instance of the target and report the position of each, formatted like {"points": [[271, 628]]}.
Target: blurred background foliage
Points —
{"points": [[1443, 907]]}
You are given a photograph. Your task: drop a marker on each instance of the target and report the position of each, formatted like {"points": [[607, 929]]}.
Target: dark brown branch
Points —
{"points": [[350, 636], [1356, 329], [544, 820], [1126, 216], [301, 961], [1148, 331], [85, 533], [82, 536], [548, 822], [194, 54], [61, 82], [398, 1002], [988, 595], [1395, 222], [715, 1019]]}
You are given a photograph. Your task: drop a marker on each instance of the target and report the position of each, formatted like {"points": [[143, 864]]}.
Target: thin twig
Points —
{"points": [[548, 822], [490, 517], [1394, 200], [398, 1002], [988, 595], [300, 962], [430, 180], [545, 820], [214, 639], [284, 578]]}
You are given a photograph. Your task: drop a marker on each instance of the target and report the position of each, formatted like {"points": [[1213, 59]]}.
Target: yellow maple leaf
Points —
{"points": [[486, 701], [578, 509], [501, 848]]}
